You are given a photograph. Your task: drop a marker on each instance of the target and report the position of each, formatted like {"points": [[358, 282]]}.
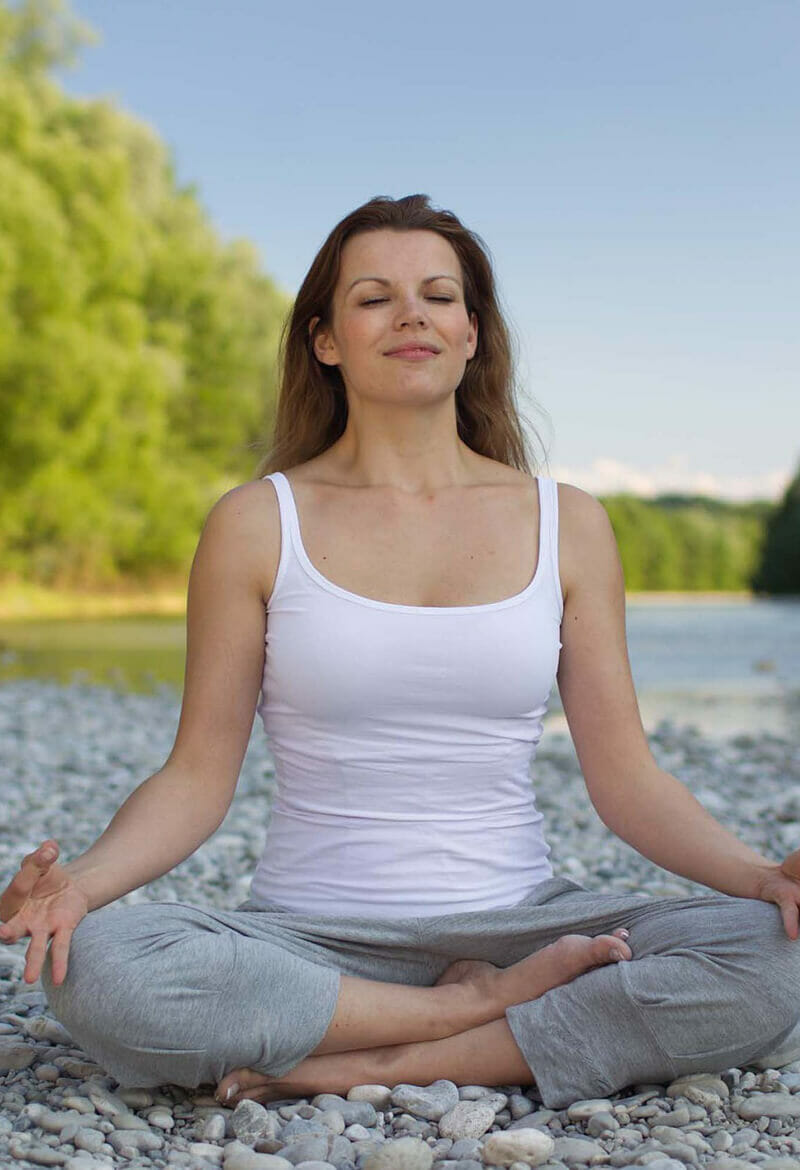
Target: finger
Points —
{"points": [[59, 955], [35, 956], [791, 918], [31, 869], [791, 865], [13, 930]]}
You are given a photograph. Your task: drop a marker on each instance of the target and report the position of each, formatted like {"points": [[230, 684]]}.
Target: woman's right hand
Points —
{"points": [[42, 900]]}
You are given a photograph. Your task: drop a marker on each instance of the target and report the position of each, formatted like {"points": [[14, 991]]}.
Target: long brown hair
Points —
{"points": [[311, 411]]}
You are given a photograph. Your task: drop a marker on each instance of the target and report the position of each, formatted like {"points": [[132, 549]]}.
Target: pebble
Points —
{"points": [[519, 1105], [574, 1151], [243, 1158], [531, 1146], [431, 1101], [465, 1148], [250, 1121], [698, 1083], [378, 1096], [136, 1098], [14, 1055], [94, 745], [107, 1103], [352, 1112], [45, 1028], [678, 1117], [602, 1122], [214, 1127], [769, 1105], [467, 1119], [136, 1139], [583, 1110], [206, 1150], [89, 1139], [161, 1119], [40, 1155], [405, 1153]]}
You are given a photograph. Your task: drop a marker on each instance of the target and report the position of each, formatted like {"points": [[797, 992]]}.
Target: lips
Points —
{"points": [[412, 349]]}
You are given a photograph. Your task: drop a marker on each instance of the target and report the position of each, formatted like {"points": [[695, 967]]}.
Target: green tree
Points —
{"points": [[779, 570], [686, 543], [137, 351]]}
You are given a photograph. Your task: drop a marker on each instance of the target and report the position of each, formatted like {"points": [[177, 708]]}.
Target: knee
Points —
{"points": [[776, 973], [96, 954]]}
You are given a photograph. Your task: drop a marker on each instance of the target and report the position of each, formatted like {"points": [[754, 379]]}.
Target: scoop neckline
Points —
{"points": [[484, 607]]}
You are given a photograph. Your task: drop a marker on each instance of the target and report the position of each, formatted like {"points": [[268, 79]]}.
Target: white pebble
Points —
{"points": [[378, 1096], [467, 1119], [405, 1153], [518, 1145]]}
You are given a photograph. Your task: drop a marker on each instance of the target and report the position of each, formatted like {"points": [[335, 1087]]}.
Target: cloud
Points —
{"points": [[607, 476]]}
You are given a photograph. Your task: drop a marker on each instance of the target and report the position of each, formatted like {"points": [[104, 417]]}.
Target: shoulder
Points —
{"points": [[587, 545], [245, 507], [242, 531], [579, 511]]}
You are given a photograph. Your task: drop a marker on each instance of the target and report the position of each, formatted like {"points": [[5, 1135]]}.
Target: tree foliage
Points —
{"points": [[687, 543], [137, 351], [779, 571]]}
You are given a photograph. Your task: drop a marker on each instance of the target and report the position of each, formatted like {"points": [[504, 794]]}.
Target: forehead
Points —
{"points": [[393, 254]]}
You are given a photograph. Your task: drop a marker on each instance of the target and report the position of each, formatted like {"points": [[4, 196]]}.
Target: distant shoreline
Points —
{"points": [[689, 597], [35, 603]]}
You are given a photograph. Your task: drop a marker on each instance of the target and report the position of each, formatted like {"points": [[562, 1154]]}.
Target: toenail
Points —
{"points": [[625, 934]]}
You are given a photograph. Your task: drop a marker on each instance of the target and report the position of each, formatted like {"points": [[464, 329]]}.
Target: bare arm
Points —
{"points": [[644, 805], [176, 809]]}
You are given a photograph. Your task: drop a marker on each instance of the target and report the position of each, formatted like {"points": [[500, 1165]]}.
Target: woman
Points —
{"points": [[419, 584]]}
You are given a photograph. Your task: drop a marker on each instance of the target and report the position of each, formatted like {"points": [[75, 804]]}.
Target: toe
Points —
{"points": [[236, 1080], [617, 948]]}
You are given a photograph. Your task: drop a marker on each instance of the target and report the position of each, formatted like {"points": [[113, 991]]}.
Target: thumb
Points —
{"points": [[791, 865]]}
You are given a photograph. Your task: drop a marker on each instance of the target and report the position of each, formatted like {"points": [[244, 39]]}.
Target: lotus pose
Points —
{"points": [[396, 597]]}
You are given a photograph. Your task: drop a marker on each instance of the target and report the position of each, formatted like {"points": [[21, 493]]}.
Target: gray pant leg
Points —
{"points": [[714, 982], [167, 993]]}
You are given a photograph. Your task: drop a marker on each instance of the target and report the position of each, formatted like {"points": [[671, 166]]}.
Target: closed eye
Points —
{"points": [[380, 300]]}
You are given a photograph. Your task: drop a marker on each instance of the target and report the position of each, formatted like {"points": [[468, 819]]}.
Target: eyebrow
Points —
{"points": [[382, 280]]}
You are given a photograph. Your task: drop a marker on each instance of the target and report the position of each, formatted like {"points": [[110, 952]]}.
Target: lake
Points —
{"points": [[726, 666]]}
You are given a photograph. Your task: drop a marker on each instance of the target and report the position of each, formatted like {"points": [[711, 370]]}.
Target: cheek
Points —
{"points": [[359, 337]]}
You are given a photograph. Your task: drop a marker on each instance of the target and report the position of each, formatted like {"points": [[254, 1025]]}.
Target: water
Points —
{"points": [[727, 666]]}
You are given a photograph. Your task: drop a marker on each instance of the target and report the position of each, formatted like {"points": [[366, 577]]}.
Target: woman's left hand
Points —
{"points": [[781, 884]]}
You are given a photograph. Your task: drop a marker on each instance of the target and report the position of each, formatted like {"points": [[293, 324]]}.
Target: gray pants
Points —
{"points": [[161, 992]]}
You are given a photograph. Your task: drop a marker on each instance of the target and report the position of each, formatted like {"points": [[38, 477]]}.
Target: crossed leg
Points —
{"points": [[385, 1033]]}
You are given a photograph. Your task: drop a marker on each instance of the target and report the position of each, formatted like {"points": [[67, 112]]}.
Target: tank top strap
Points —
{"points": [[290, 524], [548, 538]]}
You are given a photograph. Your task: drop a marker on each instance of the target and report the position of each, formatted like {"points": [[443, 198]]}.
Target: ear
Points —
{"points": [[324, 347], [472, 337]]}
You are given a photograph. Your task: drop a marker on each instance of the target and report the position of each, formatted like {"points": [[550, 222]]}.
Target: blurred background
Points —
{"points": [[167, 173]]}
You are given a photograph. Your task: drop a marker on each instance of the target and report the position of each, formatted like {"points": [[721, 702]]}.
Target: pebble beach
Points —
{"points": [[69, 756]]}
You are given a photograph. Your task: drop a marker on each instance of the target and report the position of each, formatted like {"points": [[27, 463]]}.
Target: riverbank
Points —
{"points": [[70, 755], [21, 602], [24, 602]]}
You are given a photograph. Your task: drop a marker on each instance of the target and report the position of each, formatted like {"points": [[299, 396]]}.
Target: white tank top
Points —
{"points": [[402, 737]]}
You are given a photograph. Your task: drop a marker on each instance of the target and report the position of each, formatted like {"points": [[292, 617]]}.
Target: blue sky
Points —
{"points": [[634, 169]]}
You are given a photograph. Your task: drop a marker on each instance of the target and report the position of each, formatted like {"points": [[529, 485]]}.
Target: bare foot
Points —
{"points": [[561, 962], [494, 988], [330, 1073]]}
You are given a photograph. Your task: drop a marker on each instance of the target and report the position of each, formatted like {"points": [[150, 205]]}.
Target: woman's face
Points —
{"points": [[397, 288]]}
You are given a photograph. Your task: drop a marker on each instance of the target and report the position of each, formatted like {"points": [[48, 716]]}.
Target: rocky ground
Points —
{"points": [[68, 758]]}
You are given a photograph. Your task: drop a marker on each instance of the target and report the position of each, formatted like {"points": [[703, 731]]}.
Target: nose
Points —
{"points": [[411, 311]]}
